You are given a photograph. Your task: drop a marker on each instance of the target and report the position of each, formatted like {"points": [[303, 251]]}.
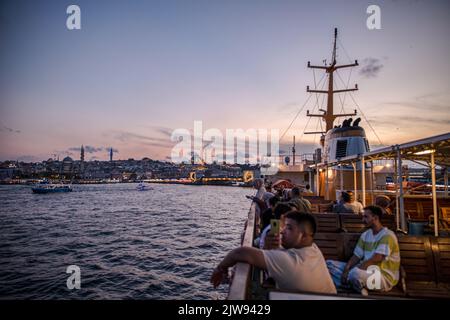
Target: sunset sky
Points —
{"points": [[137, 70]]}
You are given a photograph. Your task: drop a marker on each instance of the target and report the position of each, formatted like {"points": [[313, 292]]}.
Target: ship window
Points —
{"points": [[367, 145], [341, 149]]}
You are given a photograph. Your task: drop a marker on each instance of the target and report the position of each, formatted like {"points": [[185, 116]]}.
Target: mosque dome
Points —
{"points": [[67, 159]]}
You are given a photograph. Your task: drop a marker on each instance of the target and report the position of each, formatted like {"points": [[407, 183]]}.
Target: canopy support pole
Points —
{"points": [[363, 181], [400, 182], [433, 191]]}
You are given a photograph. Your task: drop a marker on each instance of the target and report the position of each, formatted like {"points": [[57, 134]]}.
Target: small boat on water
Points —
{"points": [[143, 187], [51, 188]]}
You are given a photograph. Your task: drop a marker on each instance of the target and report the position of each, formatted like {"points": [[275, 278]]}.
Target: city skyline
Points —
{"points": [[138, 70]]}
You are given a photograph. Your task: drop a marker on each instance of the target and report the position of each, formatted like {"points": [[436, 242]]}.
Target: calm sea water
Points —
{"points": [[156, 244]]}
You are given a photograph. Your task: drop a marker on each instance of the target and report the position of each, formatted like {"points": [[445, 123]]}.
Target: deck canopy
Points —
{"points": [[418, 150], [434, 151]]}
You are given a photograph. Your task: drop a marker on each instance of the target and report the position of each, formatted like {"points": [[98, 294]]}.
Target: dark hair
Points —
{"points": [[274, 200], [281, 209], [346, 196], [383, 201], [352, 195], [295, 191], [308, 187], [305, 219], [375, 210], [266, 216]]}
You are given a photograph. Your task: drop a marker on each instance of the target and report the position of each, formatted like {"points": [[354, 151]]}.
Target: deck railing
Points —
{"points": [[239, 286]]}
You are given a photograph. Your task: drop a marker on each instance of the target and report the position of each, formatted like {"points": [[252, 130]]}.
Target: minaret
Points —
{"points": [[82, 154], [82, 159], [329, 116], [110, 154]]}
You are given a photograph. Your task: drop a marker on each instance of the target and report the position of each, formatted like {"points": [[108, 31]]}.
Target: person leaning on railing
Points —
{"points": [[298, 201], [300, 266]]}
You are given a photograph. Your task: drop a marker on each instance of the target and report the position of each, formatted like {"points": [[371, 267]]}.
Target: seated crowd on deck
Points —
{"points": [[348, 204], [296, 263]]}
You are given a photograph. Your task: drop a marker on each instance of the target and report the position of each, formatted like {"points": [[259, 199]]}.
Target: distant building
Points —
{"points": [[67, 165]]}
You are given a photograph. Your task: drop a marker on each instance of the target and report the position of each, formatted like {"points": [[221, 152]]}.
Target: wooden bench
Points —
{"points": [[312, 198], [353, 223], [319, 207], [331, 245], [425, 263], [441, 251], [327, 222], [422, 208]]}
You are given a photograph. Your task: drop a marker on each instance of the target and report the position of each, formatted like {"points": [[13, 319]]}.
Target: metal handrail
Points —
{"points": [[241, 279]]}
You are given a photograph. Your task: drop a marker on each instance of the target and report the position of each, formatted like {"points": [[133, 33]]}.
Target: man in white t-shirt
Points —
{"points": [[258, 184], [300, 266]]}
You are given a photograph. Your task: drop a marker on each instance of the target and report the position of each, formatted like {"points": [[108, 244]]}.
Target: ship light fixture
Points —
{"points": [[330, 173], [424, 152]]}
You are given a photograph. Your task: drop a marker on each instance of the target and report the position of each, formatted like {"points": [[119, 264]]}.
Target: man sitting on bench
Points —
{"points": [[378, 247], [299, 266]]}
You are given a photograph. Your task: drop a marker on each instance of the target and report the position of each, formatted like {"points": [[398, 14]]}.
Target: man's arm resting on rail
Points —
{"points": [[252, 256]]}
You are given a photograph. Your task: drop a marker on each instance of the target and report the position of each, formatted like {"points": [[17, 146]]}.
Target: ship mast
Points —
{"points": [[293, 152], [329, 116]]}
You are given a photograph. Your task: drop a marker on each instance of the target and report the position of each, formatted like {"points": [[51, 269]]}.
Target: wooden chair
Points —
{"points": [[445, 217], [352, 223], [327, 222], [444, 220]]}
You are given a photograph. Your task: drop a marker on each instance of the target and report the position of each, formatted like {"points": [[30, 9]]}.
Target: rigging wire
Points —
{"points": [[365, 118], [304, 129], [345, 93], [340, 98], [301, 109], [317, 127], [309, 119], [315, 86], [345, 51], [296, 116], [362, 113], [349, 76], [320, 106]]}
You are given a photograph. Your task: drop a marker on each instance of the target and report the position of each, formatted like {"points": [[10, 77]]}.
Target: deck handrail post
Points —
{"points": [[355, 182], [400, 183], [433, 192], [363, 181]]}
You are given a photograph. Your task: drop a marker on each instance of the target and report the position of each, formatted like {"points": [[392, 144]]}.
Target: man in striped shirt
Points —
{"points": [[376, 254]]}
